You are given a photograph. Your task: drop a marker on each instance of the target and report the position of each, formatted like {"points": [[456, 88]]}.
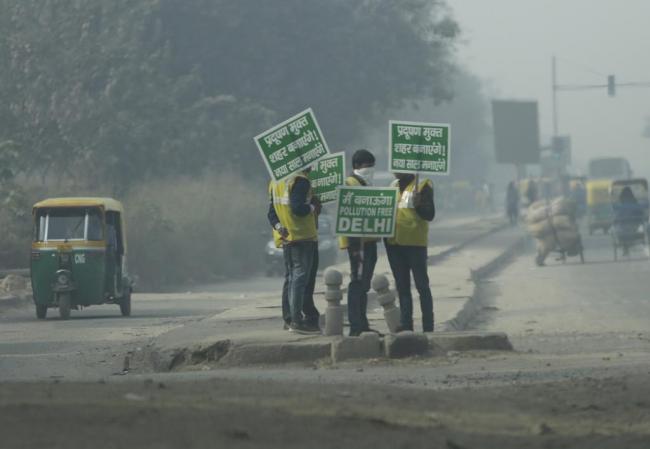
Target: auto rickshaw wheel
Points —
{"points": [[65, 305], [41, 311], [125, 304]]}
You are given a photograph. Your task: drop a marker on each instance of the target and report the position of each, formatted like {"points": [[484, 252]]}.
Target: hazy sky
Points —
{"points": [[509, 44]]}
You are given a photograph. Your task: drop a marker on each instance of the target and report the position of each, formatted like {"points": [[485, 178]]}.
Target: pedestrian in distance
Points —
{"points": [[362, 252], [512, 203], [293, 214], [407, 250], [531, 192]]}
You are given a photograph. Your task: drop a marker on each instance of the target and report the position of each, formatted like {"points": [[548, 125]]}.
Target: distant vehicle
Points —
{"points": [[599, 208], [613, 168], [630, 224], [327, 249]]}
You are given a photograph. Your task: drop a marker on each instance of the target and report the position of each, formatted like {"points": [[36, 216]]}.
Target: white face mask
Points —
{"points": [[366, 173]]}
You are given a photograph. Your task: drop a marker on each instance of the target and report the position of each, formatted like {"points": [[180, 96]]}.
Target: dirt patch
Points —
{"points": [[264, 414]]}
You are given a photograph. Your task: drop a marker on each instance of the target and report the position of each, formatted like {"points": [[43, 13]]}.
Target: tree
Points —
{"points": [[111, 93]]}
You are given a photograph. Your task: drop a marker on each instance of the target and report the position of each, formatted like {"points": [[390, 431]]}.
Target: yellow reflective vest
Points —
{"points": [[410, 229], [300, 228], [343, 241]]}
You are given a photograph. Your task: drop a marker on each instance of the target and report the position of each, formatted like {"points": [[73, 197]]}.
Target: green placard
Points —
{"points": [[292, 145], [366, 211], [419, 147], [327, 175]]}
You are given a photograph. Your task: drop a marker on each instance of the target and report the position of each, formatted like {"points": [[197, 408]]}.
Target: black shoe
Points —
{"points": [[313, 327], [303, 329]]}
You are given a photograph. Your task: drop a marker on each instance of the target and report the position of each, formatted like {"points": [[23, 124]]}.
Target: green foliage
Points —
{"points": [[15, 224], [9, 162], [124, 97], [119, 91], [193, 229]]}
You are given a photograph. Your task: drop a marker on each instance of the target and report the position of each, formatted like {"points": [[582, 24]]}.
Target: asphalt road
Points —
{"points": [[95, 341], [571, 307]]}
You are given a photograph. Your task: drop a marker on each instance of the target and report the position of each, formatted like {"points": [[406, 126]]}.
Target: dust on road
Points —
{"points": [[275, 414]]}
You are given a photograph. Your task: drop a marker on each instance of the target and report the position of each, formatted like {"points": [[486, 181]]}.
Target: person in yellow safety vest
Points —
{"points": [[407, 250], [362, 252], [293, 214]]}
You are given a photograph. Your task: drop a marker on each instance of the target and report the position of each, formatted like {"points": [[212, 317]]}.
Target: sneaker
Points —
{"points": [[303, 329], [285, 326]]}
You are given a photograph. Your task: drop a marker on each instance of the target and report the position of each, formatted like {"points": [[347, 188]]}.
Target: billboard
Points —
{"points": [[516, 131]]}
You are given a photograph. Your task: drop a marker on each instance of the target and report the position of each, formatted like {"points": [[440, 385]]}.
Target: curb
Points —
{"points": [[226, 353], [444, 342], [474, 304]]}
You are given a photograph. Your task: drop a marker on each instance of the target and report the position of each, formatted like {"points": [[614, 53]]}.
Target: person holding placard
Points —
{"points": [[407, 250], [362, 251], [292, 214]]}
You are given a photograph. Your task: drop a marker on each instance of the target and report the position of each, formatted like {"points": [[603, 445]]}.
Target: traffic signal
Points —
{"points": [[611, 86]]}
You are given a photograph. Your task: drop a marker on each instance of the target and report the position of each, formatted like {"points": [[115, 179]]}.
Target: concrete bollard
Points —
{"points": [[386, 298], [333, 295]]}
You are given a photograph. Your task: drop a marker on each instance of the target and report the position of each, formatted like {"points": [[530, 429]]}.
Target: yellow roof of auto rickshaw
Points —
{"points": [[598, 184], [106, 203]]}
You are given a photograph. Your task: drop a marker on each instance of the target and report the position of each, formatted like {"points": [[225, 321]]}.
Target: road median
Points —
{"points": [[229, 353], [252, 334]]}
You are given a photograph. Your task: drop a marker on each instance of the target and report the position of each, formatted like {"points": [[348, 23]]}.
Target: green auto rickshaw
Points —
{"points": [[599, 207], [78, 255]]}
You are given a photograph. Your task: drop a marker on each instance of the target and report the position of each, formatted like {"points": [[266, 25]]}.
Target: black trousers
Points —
{"points": [[309, 309], [403, 261], [360, 277]]}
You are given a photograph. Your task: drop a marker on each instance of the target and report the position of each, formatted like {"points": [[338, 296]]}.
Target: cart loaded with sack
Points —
{"points": [[554, 227]]}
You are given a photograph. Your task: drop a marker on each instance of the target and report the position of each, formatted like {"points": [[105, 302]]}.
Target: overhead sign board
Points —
{"points": [[516, 132]]}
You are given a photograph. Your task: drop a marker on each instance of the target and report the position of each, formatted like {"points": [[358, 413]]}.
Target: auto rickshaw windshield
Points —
{"points": [[68, 224]]}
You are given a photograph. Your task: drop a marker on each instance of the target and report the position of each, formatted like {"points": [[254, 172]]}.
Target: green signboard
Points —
{"points": [[292, 146], [419, 147], [366, 211], [327, 175]]}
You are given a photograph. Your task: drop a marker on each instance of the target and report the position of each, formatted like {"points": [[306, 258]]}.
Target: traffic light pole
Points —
{"points": [[611, 86], [555, 87]]}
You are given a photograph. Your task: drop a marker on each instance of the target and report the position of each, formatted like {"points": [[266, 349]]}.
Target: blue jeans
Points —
{"points": [[301, 263], [403, 261]]}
